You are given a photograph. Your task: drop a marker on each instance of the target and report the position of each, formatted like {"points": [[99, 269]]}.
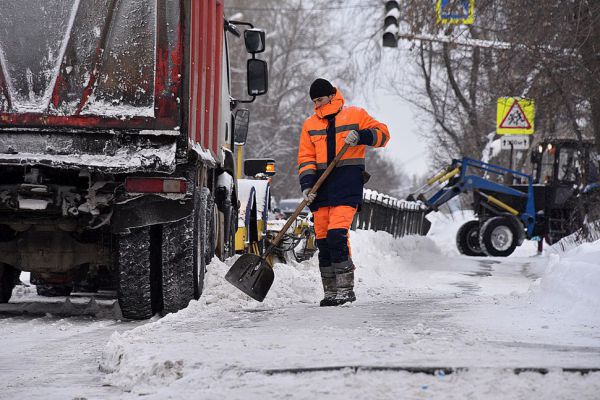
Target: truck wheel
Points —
{"points": [[498, 237], [467, 239], [137, 291], [211, 228], [49, 290], [9, 277], [229, 234], [183, 254]]}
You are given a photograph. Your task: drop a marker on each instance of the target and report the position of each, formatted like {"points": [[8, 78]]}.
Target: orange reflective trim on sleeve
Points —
{"points": [[386, 139], [307, 155], [307, 165], [380, 131], [381, 137], [307, 172]]}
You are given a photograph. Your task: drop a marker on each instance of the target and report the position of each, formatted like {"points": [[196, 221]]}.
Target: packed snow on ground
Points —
{"points": [[419, 304]]}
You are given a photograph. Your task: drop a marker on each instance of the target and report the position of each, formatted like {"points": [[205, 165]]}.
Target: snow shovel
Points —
{"points": [[251, 273]]}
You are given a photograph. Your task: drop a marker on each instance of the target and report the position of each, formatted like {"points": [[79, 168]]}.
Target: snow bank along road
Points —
{"points": [[427, 323]]}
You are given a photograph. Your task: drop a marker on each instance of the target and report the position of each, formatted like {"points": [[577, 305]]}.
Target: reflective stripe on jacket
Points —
{"points": [[322, 137]]}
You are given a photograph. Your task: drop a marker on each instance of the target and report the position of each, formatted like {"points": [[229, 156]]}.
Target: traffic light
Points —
{"points": [[390, 24]]}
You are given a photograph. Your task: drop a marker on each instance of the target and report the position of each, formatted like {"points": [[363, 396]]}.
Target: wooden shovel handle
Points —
{"points": [[314, 189]]}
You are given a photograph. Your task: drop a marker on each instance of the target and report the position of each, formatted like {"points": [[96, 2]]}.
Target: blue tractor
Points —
{"points": [[549, 204]]}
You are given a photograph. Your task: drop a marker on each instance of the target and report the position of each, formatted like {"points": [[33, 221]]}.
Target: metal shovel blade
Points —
{"points": [[252, 275]]}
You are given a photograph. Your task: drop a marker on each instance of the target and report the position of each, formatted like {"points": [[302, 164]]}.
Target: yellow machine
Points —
{"points": [[254, 195], [299, 243]]}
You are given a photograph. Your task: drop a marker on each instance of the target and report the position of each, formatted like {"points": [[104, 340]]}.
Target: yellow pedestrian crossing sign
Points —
{"points": [[515, 116]]}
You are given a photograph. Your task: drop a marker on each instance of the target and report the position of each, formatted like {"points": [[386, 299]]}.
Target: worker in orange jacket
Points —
{"points": [[337, 200]]}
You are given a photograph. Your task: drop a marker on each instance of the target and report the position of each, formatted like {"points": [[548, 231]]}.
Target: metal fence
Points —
{"points": [[398, 217]]}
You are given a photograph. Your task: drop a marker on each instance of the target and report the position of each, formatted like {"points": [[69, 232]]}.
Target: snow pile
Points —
{"points": [[559, 309], [383, 262], [444, 227], [131, 368], [294, 282], [419, 304], [119, 354], [570, 283]]}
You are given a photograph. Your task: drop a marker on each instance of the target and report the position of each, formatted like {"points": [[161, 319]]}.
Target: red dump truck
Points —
{"points": [[116, 146]]}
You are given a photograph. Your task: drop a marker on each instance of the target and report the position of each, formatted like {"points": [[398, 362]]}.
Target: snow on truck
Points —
{"points": [[116, 146]]}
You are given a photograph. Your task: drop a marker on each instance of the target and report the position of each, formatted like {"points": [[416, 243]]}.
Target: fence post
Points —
{"points": [[392, 216], [385, 213]]}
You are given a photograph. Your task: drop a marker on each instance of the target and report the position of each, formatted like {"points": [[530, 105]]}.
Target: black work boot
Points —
{"points": [[329, 286], [344, 276]]}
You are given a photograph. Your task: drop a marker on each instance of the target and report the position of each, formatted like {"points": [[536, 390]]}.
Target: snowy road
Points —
{"points": [[420, 305], [49, 357]]}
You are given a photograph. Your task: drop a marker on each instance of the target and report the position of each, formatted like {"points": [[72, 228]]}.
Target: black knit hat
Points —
{"points": [[321, 87]]}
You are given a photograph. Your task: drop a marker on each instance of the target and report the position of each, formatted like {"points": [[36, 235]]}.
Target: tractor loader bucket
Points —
{"points": [[252, 275]]}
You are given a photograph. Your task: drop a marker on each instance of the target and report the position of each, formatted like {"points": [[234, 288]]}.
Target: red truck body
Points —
{"points": [[175, 85]]}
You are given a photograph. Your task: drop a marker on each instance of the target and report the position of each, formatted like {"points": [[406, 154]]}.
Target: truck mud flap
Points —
{"points": [[149, 210]]}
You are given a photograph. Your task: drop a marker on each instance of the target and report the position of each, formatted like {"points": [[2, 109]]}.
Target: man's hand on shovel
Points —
{"points": [[308, 196]]}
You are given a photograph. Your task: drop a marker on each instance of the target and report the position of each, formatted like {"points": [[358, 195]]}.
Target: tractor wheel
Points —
{"points": [[498, 237], [467, 240], [138, 288]]}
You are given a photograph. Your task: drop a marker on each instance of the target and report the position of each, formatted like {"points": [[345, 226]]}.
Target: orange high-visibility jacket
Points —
{"points": [[322, 138]]}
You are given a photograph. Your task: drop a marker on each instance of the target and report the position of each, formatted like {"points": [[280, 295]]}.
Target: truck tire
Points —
{"points": [[467, 239], [498, 237], [230, 228], [9, 277], [211, 228], [183, 255], [137, 292]]}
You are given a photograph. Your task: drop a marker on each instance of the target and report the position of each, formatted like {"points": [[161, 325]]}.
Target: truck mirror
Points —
{"points": [[240, 127], [257, 77], [254, 40], [259, 166]]}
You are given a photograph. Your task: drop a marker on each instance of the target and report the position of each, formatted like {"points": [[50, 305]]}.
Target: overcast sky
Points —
{"points": [[406, 148]]}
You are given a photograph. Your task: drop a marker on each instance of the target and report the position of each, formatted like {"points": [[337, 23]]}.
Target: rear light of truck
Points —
{"points": [[155, 185]]}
